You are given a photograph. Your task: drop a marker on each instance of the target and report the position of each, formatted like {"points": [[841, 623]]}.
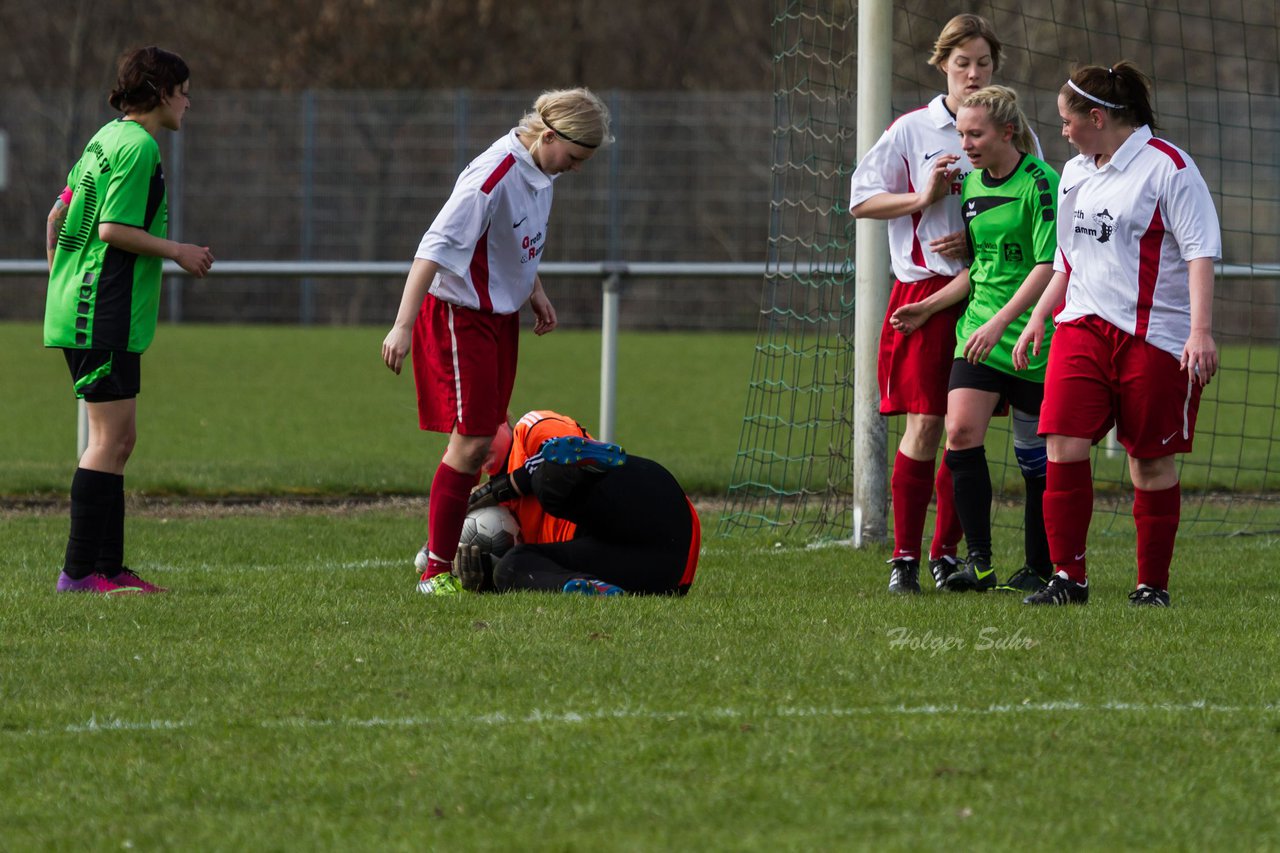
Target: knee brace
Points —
{"points": [[1028, 447]]}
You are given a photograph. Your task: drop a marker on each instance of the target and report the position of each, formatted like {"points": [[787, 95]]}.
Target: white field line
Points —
{"points": [[323, 565], [553, 718]]}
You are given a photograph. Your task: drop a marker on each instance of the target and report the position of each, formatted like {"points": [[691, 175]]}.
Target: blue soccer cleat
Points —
{"points": [[585, 453], [591, 586]]}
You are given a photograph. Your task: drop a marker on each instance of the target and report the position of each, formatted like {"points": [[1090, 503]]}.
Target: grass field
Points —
{"points": [[294, 692], [292, 411]]}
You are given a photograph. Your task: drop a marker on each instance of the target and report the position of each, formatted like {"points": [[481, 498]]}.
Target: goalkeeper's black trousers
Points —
{"points": [[635, 529]]}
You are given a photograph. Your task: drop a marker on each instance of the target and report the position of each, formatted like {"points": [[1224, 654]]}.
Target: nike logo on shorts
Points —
{"points": [[1170, 438]]}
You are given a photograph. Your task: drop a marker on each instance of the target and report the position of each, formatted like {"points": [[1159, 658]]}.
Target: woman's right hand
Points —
{"points": [[395, 347]]}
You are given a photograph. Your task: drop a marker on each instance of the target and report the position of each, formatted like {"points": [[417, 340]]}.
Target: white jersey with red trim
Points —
{"points": [[1125, 233], [490, 234], [900, 162]]}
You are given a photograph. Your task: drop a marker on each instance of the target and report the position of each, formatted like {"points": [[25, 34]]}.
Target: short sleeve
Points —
{"points": [[452, 238], [1044, 220], [882, 170], [129, 184], [1193, 220]]}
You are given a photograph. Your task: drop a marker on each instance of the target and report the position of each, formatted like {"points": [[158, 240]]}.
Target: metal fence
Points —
{"points": [[358, 176]]}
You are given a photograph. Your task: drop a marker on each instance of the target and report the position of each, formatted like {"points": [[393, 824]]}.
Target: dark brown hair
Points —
{"points": [[145, 75], [1125, 90]]}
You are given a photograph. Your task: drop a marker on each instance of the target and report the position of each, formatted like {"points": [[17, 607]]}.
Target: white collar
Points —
{"points": [[1128, 149], [528, 167], [938, 112]]}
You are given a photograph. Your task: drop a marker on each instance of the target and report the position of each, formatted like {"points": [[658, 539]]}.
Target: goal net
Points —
{"points": [[1217, 94]]}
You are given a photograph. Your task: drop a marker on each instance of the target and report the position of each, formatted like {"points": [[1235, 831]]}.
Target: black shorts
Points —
{"points": [[101, 376], [1022, 394]]}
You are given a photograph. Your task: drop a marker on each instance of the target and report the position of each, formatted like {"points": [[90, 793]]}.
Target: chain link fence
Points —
{"points": [[359, 175]]}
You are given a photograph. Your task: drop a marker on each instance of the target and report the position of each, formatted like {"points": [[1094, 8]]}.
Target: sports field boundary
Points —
{"points": [[569, 718]]}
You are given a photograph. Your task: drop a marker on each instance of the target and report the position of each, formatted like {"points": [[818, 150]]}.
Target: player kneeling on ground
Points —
{"points": [[594, 520]]}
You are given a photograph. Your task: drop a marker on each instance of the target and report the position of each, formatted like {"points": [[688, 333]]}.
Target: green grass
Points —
{"points": [[267, 410], [292, 411], [294, 692]]}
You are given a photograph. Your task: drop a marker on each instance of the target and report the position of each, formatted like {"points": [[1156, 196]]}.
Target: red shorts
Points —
{"points": [[913, 369], [1099, 376], [464, 367]]}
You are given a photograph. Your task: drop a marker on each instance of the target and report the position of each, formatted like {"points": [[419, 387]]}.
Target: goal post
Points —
{"points": [[813, 458], [871, 271]]}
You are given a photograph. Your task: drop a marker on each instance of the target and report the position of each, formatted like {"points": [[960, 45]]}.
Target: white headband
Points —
{"points": [[1082, 93]]}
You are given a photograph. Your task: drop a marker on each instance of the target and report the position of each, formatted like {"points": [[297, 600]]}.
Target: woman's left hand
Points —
{"points": [[544, 313], [953, 246], [1200, 356]]}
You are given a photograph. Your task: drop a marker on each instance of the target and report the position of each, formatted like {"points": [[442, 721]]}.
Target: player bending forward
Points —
{"points": [[594, 519], [460, 311]]}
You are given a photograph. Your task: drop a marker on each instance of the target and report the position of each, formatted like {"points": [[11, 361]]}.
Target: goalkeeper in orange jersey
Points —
{"points": [[594, 519]]}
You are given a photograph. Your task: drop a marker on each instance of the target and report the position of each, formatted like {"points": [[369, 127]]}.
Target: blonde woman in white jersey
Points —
{"points": [[1137, 239], [460, 312], [912, 178]]}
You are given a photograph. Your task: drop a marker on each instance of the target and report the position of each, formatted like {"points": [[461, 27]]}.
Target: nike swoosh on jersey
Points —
{"points": [[1066, 190], [929, 157], [518, 224]]}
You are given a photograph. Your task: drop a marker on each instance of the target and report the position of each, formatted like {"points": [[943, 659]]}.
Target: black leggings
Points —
{"points": [[634, 530]]}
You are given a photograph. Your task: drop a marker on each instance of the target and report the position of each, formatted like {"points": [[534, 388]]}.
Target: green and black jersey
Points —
{"points": [[101, 297], [1011, 228]]}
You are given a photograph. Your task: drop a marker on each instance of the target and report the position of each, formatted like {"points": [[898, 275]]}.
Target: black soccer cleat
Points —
{"points": [[976, 576], [904, 577], [1149, 596], [1026, 580], [1060, 590], [942, 568]]}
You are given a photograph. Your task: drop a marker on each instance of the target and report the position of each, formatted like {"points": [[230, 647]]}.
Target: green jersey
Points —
{"points": [[101, 297], [1011, 228]]}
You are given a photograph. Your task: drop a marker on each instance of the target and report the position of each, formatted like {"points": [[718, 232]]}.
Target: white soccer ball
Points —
{"points": [[493, 528]]}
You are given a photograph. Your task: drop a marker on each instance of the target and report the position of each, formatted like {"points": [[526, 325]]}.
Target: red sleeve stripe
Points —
{"points": [[917, 251], [1161, 145], [1148, 272], [480, 272], [1062, 303], [909, 112], [498, 173]]}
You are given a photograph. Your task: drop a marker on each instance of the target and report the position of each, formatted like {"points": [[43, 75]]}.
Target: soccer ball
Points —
{"points": [[493, 528]]}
